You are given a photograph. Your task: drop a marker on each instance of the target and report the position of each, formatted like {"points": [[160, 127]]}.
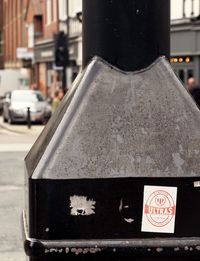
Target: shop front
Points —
{"points": [[185, 48]]}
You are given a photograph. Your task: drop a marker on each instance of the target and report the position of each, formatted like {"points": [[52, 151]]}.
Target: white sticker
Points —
{"points": [[159, 209]]}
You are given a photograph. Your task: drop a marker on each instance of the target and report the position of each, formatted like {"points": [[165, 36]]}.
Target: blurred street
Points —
{"points": [[15, 141]]}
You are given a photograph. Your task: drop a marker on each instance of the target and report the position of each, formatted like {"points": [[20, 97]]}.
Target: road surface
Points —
{"points": [[15, 141]]}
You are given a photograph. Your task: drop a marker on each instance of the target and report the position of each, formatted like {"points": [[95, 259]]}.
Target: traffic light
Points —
{"points": [[61, 50]]}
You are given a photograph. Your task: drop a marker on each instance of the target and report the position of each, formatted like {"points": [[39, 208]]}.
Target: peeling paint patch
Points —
{"points": [[149, 160], [91, 250], [181, 148], [126, 212], [144, 131], [67, 250], [197, 184], [81, 206], [178, 160], [53, 250], [129, 220], [119, 139], [198, 248], [159, 249]]}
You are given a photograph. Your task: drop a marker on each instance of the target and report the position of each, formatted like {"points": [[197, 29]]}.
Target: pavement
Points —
{"points": [[21, 128], [15, 142], [11, 205], [17, 137]]}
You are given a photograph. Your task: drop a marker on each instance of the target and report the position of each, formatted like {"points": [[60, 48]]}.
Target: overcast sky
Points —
{"points": [[177, 8]]}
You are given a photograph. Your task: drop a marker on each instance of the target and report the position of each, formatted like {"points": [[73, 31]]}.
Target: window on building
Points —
{"points": [[181, 75], [48, 12], [38, 25], [75, 7], [1, 42], [62, 9], [54, 10], [24, 82], [31, 35], [190, 73]]}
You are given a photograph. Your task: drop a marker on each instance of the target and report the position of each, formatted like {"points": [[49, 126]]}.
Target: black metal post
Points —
{"points": [[199, 7], [128, 34], [192, 7], [68, 18], [28, 118], [183, 8], [64, 79], [64, 76]]}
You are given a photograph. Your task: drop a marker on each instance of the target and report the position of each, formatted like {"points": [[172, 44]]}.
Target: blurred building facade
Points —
{"points": [[185, 41], [42, 20], [1, 36], [47, 18], [27, 40], [14, 54], [15, 34]]}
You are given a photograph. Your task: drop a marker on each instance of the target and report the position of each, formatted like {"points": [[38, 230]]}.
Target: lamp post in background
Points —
{"points": [[61, 49], [61, 55], [64, 75], [199, 7], [183, 8], [192, 7]]}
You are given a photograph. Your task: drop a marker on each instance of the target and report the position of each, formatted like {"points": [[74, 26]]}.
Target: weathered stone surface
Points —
{"points": [[122, 124]]}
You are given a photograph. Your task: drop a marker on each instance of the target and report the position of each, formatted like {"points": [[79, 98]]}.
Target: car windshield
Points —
{"points": [[27, 97]]}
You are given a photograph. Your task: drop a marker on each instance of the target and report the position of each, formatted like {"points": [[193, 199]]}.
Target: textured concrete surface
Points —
{"points": [[125, 125]]}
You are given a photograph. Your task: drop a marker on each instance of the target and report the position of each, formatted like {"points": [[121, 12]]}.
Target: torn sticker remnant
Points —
{"points": [[81, 206]]}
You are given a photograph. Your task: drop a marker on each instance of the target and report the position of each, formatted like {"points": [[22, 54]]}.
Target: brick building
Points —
{"points": [[185, 41], [1, 36], [75, 38], [15, 33], [42, 21], [47, 18], [44, 47], [15, 57]]}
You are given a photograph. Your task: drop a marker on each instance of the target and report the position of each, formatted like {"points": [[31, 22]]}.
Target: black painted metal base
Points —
{"points": [[56, 233], [117, 200], [118, 259]]}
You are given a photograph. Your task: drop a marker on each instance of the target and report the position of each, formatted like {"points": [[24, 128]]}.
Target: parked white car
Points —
{"points": [[17, 102]]}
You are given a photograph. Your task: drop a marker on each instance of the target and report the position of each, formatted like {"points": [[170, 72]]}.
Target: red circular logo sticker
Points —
{"points": [[160, 208]]}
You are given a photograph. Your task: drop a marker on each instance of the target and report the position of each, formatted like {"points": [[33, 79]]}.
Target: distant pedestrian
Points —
{"points": [[58, 96], [194, 90]]}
